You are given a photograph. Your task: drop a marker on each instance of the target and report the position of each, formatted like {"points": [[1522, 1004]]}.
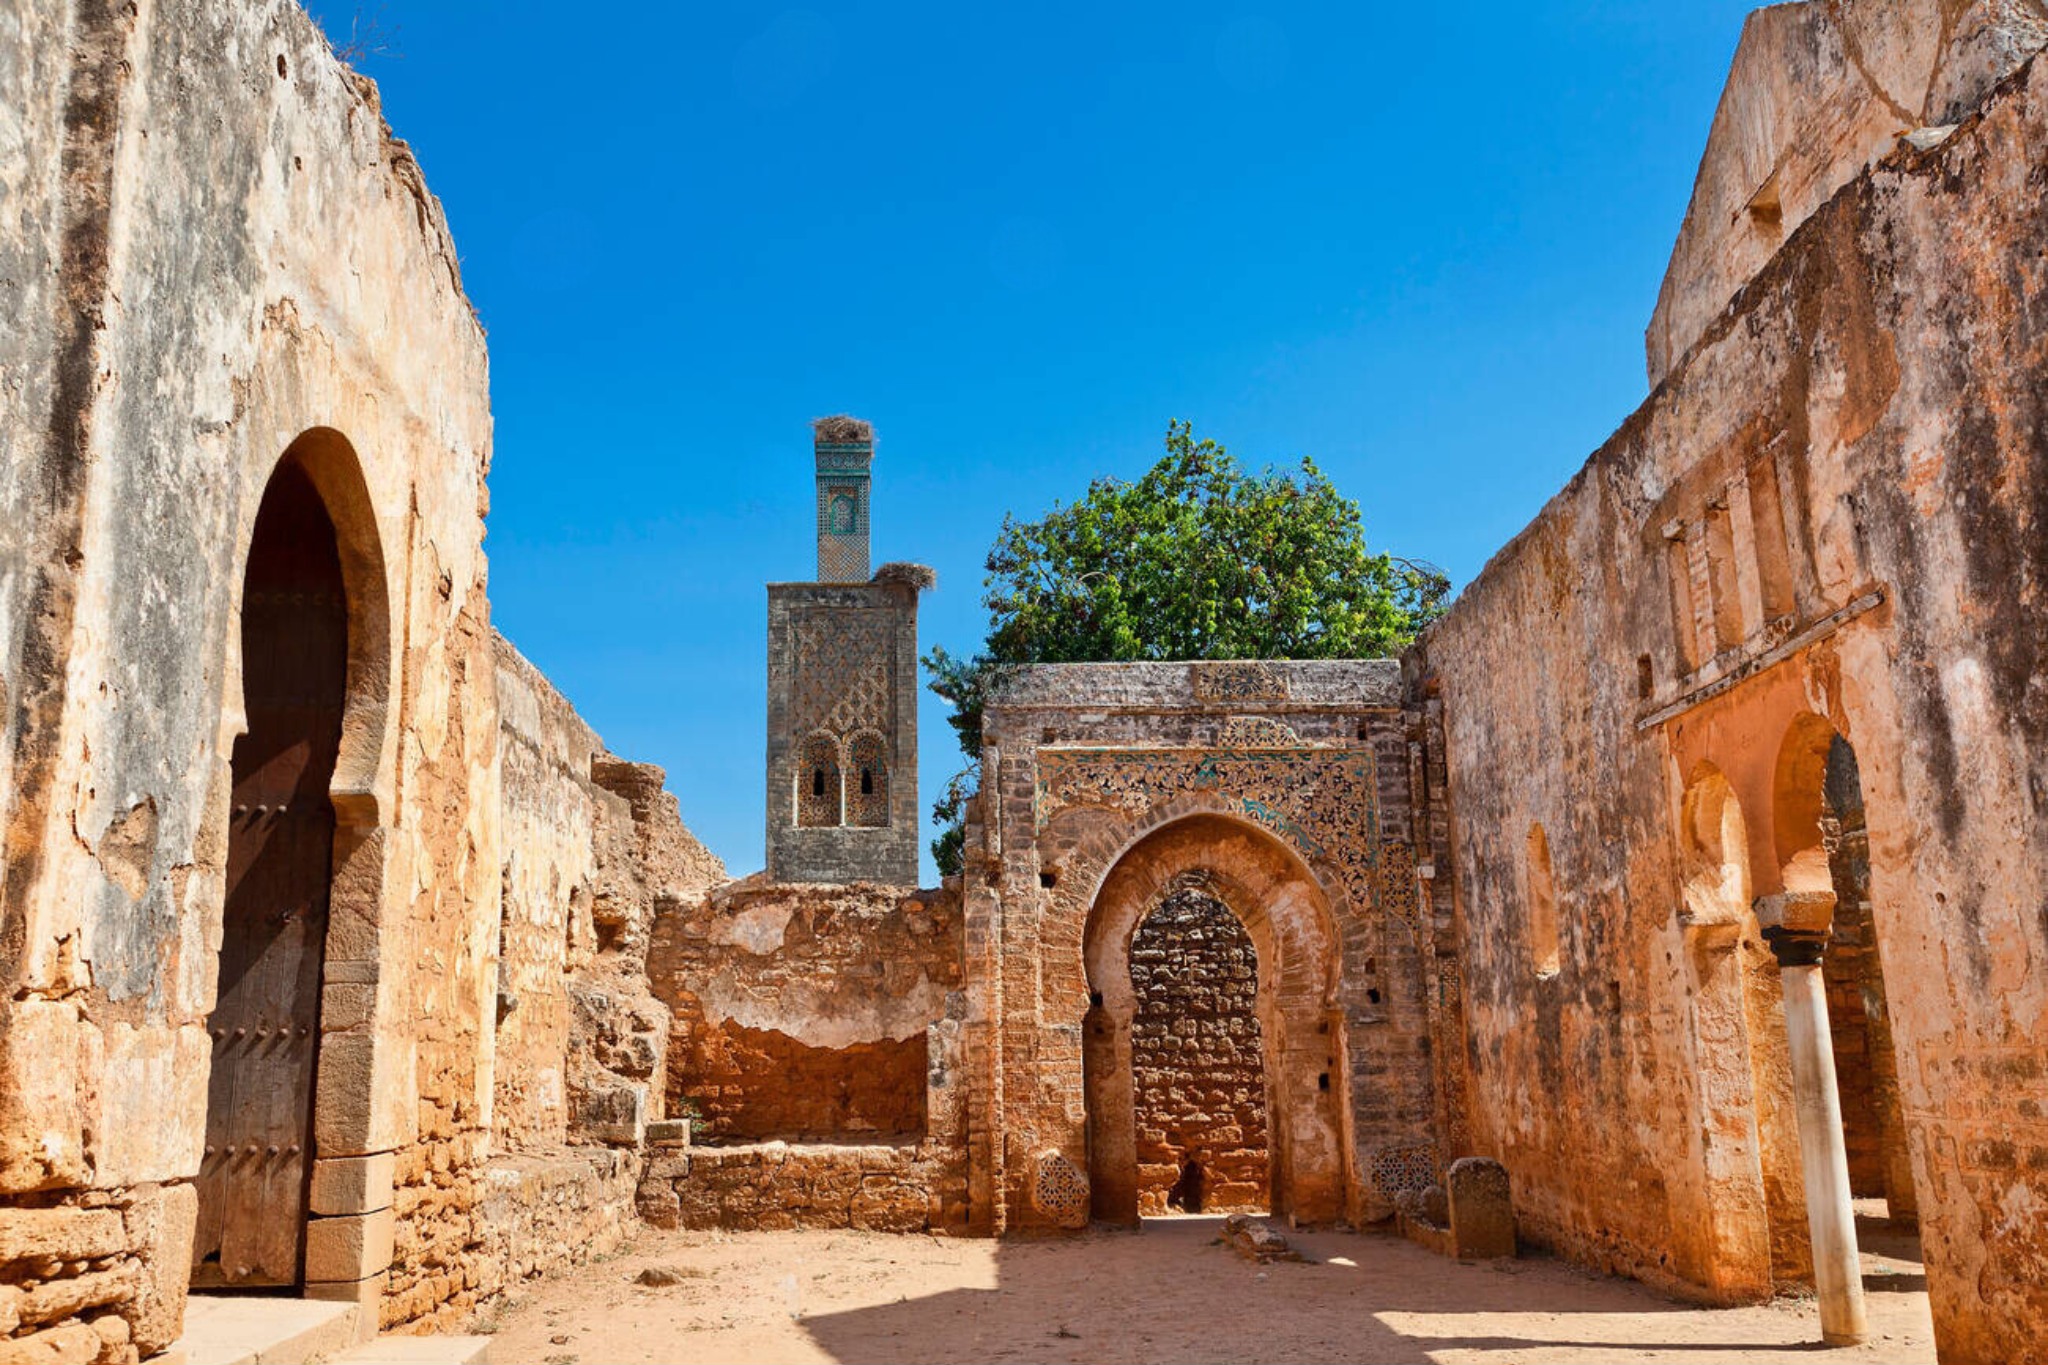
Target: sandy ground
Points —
{"points": [[1166, 1293]]}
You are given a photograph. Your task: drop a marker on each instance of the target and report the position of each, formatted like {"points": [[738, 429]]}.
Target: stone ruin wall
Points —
{"points": [[1840, 450], [1819, 91], [1325, 766], [183, 307], [277, 276], [592, 844], [816, 1040], [1198, 1071]]}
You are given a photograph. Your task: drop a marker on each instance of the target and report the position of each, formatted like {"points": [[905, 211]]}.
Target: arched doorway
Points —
{"points": [[1197, 1061], [1735, 1032], [265, 1024], [1822, 843], [1285, 914]]}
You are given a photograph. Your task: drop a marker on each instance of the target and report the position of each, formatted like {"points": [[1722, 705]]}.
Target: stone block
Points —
{"points": [[610, 1113], [670, 1164], [60, 1234], [352, 1184], [347, 1006], [74, 1343], [1481, 1209], [349, 1247], [151, 1122], [366, 1098], [56, 1300], [669, 1132], [658, 1205], [49, 1056], [160, 1224], [367, 1294]]}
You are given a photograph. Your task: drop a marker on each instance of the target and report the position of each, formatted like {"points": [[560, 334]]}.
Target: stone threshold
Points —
{"points": [[264, 1329], [261, 1329]]}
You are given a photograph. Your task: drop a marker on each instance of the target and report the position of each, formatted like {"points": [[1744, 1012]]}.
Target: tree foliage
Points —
{"points": [[1197, 559]]}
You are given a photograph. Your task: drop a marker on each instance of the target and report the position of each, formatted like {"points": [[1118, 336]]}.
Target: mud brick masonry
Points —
{"points": [[1683, 882]]}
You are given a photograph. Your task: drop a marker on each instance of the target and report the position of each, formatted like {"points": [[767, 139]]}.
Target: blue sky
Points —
{"points": [[1419, 243]]}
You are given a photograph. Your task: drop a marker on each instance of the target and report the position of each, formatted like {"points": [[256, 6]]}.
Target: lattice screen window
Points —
{"points": [[818, 782], [867, 782]]}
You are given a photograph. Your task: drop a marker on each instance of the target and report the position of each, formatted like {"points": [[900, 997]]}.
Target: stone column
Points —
{"points": [[1796, 925]]}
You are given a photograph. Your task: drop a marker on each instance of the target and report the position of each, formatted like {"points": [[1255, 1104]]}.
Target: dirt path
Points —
{"points": [[1164, 1294]]}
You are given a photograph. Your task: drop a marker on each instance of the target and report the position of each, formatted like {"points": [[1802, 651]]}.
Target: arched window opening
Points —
{"points": [[1197, 1061], [868, 807], [818, 796], [1542, 904]]}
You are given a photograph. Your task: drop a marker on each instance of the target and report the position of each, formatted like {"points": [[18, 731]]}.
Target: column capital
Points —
{"points": [[1796, 924], [1796, 947]]}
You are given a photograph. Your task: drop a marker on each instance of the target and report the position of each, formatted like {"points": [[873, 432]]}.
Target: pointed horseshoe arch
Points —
{"points": [[1287, 916], [306, 703]]}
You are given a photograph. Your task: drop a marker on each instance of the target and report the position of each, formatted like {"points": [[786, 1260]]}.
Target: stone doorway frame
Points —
{"points": [[1286, 913], [363, 1068]]}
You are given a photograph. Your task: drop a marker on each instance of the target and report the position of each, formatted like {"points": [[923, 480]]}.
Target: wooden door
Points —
{"points": [[266, 1022]]}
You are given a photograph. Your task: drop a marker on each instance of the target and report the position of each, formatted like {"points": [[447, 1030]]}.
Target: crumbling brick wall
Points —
{"points": [[1199, 1076], [822, 1016]]}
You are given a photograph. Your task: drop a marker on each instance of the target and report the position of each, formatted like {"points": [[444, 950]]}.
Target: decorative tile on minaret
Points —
{"points": [[845, 448]]}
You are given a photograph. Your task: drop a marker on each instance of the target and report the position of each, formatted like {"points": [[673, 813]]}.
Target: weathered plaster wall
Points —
{"points": [[1298, 793], [1828, 518], [1818, 91], [553, 821], [828, 1016], [189, 297], [593, 844]]}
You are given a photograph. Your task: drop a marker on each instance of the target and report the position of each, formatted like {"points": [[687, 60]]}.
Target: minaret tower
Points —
{"points": [[842, 691]]}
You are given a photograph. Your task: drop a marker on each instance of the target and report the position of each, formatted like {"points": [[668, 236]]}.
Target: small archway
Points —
{"points": [[305, 699], [820, 788], [1285, 913], [867, 782]]}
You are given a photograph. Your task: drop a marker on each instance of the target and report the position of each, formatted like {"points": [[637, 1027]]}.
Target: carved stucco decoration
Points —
{"points": [[1323, 802]]}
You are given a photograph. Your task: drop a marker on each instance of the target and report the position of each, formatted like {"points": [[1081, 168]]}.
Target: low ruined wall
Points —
{"points": [[775, 1185], [827, 1016], [556, 824], [1827, 519], [542, 1214], [592, 844]]}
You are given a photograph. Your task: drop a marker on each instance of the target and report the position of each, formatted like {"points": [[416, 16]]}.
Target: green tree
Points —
{"points": [[1198, 559]]}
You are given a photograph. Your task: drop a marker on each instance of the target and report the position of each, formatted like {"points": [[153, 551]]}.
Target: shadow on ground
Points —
{"points": [[1169, 1293]]}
